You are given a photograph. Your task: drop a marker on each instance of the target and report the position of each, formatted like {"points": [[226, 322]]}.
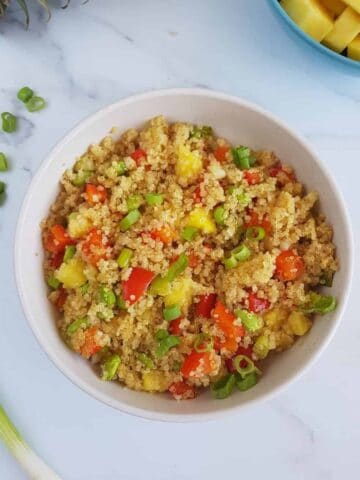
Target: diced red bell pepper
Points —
{"points": [[138, 155], [205, 305], [90, 347], [193, 260], [57, 239], [225, 321], [61, 299], [174, 326], [255, 221], [95, 193], [197, 195], [252, 177], [165, 234], [197, 365], [220, 153], [278, 169], [182, 391], [289, 266], [256, 304], [137, 283], [56, 260], [95, 246]]}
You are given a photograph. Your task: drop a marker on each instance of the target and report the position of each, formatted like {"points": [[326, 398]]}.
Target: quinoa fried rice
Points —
{"points": [[178, 261]]}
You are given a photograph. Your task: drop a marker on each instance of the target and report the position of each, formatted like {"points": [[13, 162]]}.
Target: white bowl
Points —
{"points": [[241, 123]]}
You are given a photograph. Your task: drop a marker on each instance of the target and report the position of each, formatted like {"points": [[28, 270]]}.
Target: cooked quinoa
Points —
{"points": [[178, 261]]}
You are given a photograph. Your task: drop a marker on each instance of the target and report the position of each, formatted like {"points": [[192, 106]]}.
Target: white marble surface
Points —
{"points": [[92, 55]]}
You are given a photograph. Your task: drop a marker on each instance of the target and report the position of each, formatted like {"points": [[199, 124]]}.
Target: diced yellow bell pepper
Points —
{"points": [[311, 16], [181, 293], [346, 28], [188, 164], [155, 381], [201, 219], [355, 4], [334, 6], [78, 225], [299, 323], [71, 274], [353, 50], [275, 318]]}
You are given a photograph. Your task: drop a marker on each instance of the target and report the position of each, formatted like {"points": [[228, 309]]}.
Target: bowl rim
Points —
{"points": [[318, 45], [96, 392]]}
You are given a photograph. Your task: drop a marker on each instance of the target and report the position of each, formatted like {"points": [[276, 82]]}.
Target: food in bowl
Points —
{"points": [[178, 261], [334, 23]]}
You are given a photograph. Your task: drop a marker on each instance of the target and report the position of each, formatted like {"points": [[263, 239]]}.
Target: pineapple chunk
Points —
{"points": [[353, 50], [311, 16], [155, 381], [181, 293], [334, 6], [201, 219], [261, 347], [299, 323], [78, 225], [275, 318], [346, 27], [71, 274], [188, 165], [355, 4]]}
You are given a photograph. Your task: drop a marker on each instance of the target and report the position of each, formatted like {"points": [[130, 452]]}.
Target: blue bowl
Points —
{"points": [[318, 46]]}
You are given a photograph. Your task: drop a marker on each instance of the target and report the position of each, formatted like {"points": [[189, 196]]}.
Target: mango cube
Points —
{"points": [[181, 293], [346, 28], [311, 16], [201, 219], [71, 274], [353, 50], [299, 323], [78, 225], [154, 381], [334, 6], [355, 4], [188, 165], [275, 318]]}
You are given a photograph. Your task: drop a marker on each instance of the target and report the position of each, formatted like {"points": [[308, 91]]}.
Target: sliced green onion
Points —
{"points": [[53, 282], [203, 343], [249, 368], [247, 382], [24, 94], [166, 344], [160, 286], [9, 122], [35, 104], [84, 288], [121, 167], [255, 233], [250, 321], [200, 132], [319, 304], [161, 334], [29, 461], [242, 197], [134, 202], [241, 253], [154, 199], [76, 324], [241, 157], [224, 387], [81, 178], [219, 214], [189, 233], [3, 162], [129, 220], [230, 262], [124, 257], [107, 296], [177, 267], [120, 303], [146, 360], [70, 251], [171, 313], [326, 279], [110, 367]]}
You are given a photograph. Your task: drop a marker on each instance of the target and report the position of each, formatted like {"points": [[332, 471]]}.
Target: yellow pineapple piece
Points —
{"points": [[71, 274], [188, 165], [201, 219], [311, 16], [261, 346], [275, 318], [355, 4], [78, 225], [353, 50], [334, 6], [181, 293], [299, 323], [346, 28], [155, 381]]}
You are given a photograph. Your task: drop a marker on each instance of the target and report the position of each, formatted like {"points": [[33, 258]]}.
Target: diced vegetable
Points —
{"points": [[35, 104], [252, 177], [201, 132], [230, 262], [125, 257], [242, 157], [250, 321], [255, 233], [205, 305], [299, 323], [95, 194], [90, 345], [321, 304], [95, 246], [136, 285], [155, 381], [171, 312], [201, 219], [78, 225], [161, 334], [81, 178], [224, 387], [71, 274], [174, 326], [129, 220], [244, 365], [247, 382], [146, 361], [255, 221], [121, 167], [24, 94], [61, 299], [165, 234], [197, 365], [289, 266], [241, 253], [177, 267], [203, 343], [53, 282], [219, 215], [182, 391], [134, 202], [188, 164], [221, 152], [225, 321], [166, 344], [57, 239], [276, 317], [70, 251], [110, 367], [107, 296], [160, 286], [9, 122], [189, 233], [76, 325], [256, 304], [261, 346], [3, 162], [138, 155], [153, 199]]}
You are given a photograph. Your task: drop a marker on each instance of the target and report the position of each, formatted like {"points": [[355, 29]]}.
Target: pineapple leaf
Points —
{"points": [[24, 8], [44, 3]]}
